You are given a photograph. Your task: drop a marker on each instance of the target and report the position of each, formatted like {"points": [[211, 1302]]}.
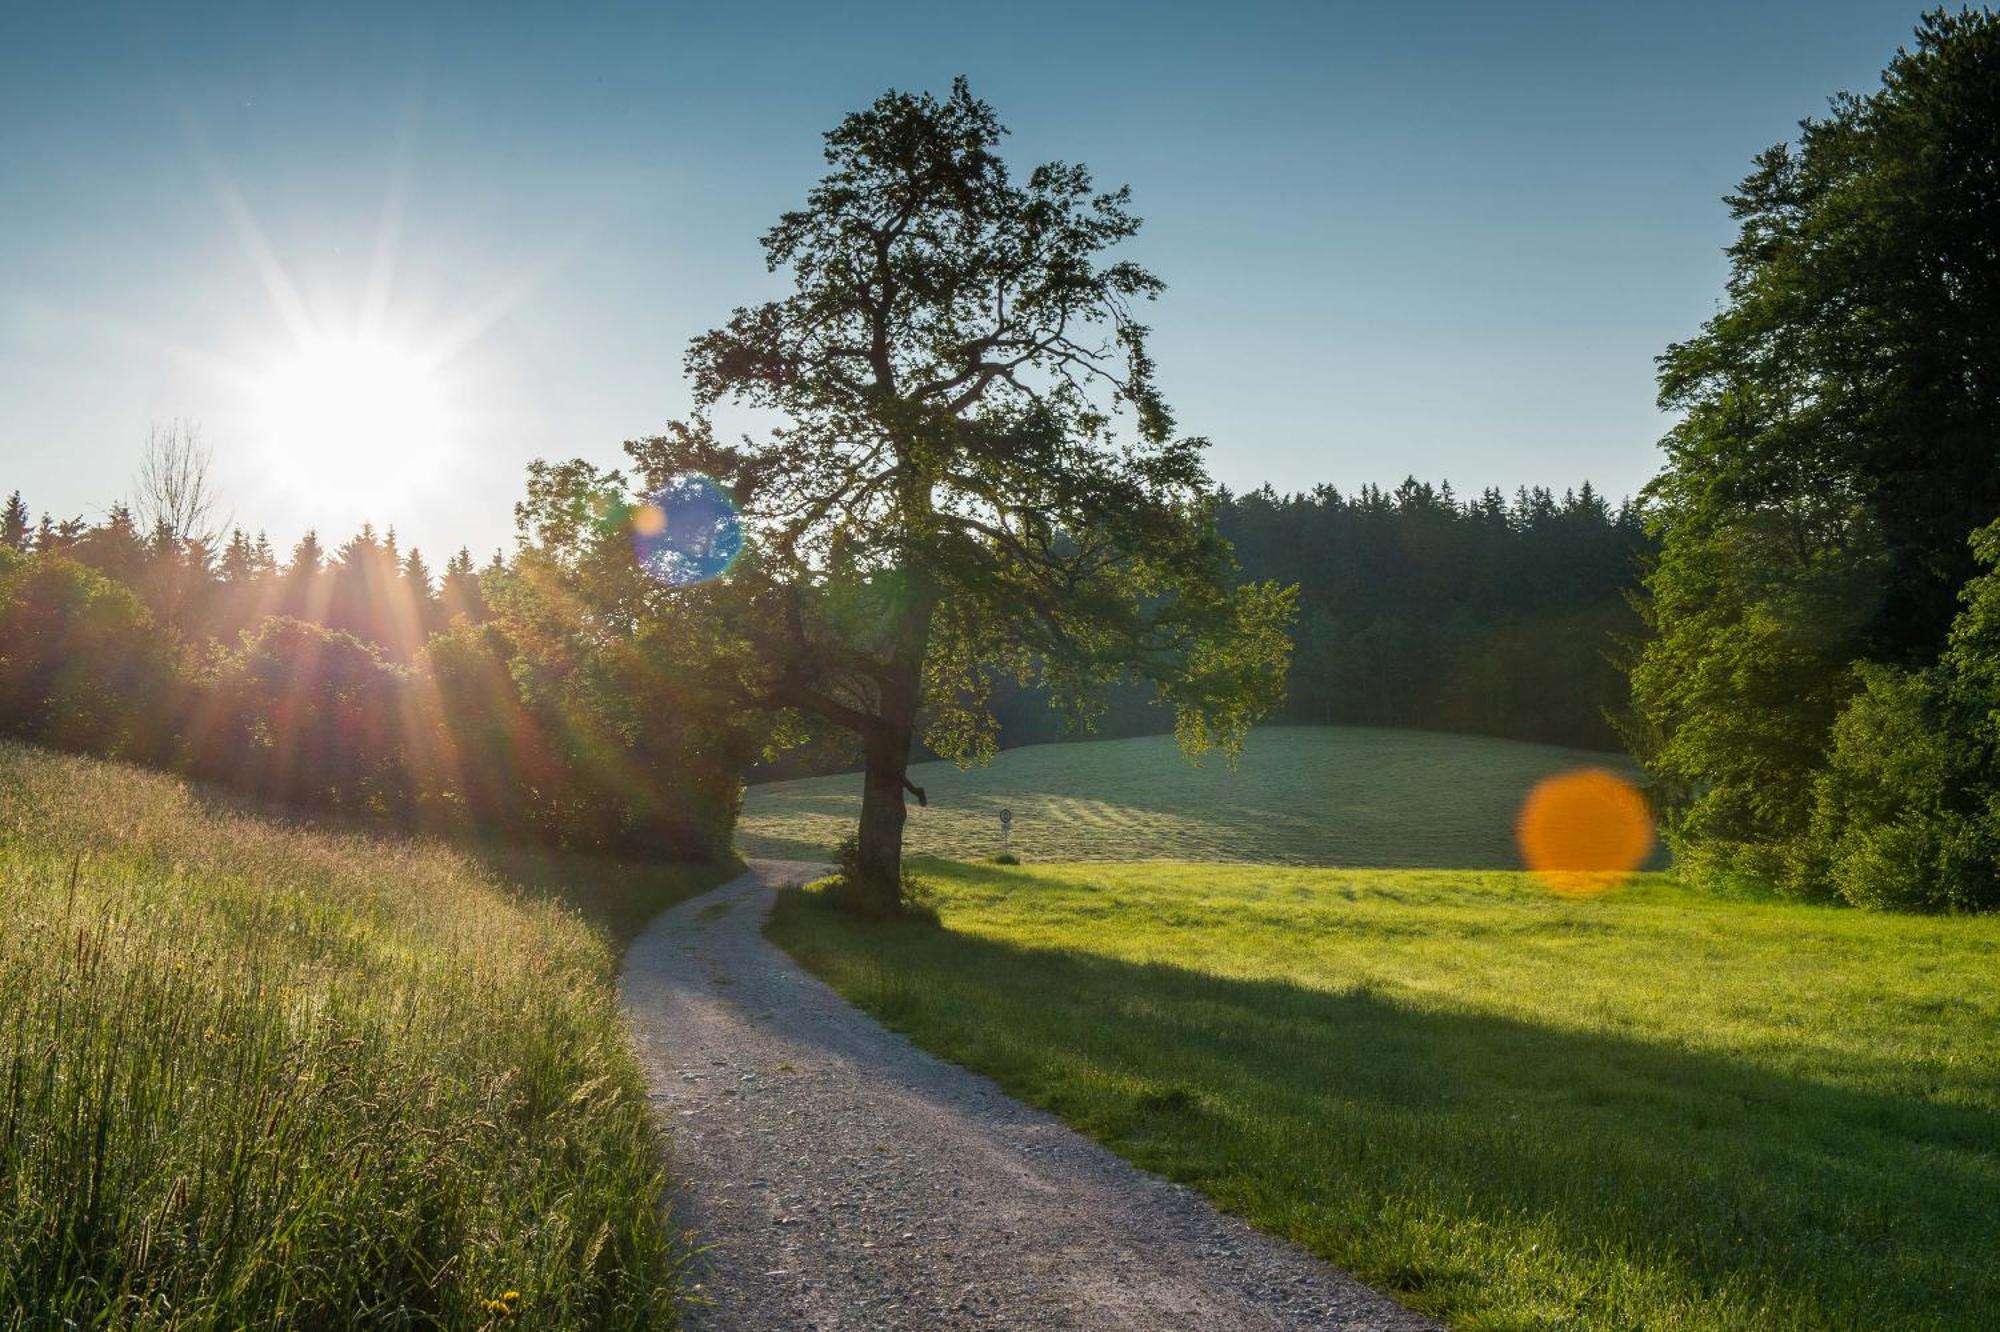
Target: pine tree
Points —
{"points": [[459, 593], [308, 560], [238, 559], [114, 547], [14, 523], [416, 574]]}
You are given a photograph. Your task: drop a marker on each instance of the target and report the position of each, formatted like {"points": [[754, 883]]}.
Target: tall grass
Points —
{"points": [[259, 1075]]}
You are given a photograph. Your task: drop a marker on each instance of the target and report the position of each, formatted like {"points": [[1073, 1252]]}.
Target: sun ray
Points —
{"points": [[278, 285], [389, 228], [472, 325]]}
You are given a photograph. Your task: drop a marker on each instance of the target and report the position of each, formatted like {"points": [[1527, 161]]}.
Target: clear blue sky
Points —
{"points": [[1445, 240]]}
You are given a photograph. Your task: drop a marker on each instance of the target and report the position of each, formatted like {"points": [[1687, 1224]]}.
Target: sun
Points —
{"points": [[353, 417]]}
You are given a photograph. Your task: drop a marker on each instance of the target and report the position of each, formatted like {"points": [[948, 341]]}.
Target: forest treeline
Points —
{"points": [[461, 697], [352, 681], [1489, 615], [1493, 616]]}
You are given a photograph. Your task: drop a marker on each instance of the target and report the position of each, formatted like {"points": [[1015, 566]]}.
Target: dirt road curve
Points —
{"points": [[840, 1178]]}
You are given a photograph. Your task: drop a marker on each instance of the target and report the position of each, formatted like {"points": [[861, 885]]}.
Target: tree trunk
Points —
{"points": [[878, 889]]}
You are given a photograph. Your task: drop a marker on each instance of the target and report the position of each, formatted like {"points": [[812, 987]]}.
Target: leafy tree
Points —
{"points": [[309, 716], [614, 671], [480, 759], [82, 665], [1835, 451], [976, 471], [1907, 811]]}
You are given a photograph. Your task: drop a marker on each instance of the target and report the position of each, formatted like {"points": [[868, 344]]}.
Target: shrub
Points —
{"points": [[919, 898], [1882, 824], [309, 716], [1907, 810], [82, 664]]}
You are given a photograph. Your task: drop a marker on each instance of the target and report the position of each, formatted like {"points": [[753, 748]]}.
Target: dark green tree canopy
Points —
{"points": [[1850, 388], [1840, 442]]}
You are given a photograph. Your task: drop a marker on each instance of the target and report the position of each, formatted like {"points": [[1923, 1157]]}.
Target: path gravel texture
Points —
{"points": [[835, 1176]]}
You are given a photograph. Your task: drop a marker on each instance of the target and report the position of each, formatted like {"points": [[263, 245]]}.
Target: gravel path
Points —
{"points": [[839, 1177]]}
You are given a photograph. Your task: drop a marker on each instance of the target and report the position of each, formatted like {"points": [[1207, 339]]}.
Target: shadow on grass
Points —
{"points": [[1500, 1172], [765, 846]]}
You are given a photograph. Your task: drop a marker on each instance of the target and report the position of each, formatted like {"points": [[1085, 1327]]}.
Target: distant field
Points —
{"points": [[1305, 795], [256, 1074], [1652, 1109]]}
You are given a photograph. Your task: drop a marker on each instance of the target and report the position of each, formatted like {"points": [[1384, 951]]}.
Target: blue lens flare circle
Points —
{"points": [[687, 532]]}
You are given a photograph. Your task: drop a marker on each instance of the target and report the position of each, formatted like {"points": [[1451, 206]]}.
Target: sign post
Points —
{"points": [[1006, 829]]}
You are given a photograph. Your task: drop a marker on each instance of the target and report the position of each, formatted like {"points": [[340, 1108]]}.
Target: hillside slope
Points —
{"points": [[1305, 795], [260, 1074]]}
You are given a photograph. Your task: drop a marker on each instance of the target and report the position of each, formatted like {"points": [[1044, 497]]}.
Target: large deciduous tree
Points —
{"points": [[973, 471]]}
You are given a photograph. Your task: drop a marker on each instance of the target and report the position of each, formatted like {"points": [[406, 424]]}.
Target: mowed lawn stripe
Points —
{"points": [[1307, 795]]}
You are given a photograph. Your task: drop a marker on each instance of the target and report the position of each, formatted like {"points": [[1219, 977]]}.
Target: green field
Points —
{"points": [[256, 1074], [1302, 795], [1650, 1109]]}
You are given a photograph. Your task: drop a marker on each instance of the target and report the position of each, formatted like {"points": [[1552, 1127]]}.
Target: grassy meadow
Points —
{"points": [[1301, 795], [1650, 1109], [257, 1074]]}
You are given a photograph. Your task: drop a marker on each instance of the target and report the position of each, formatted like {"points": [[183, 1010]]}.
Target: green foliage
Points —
{"points": [[1835, 450], [82, 664], [14, 529], [1737, 688], [260, 1076], [845, 887], [1907, 810], [648, 756], [543, 723], [1880, 820], [1484, 617], [1654, 1109], [309, 717]]}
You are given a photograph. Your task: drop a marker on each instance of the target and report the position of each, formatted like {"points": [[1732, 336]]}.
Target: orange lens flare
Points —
{"points": [[649, 520], [1584, 832]]}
